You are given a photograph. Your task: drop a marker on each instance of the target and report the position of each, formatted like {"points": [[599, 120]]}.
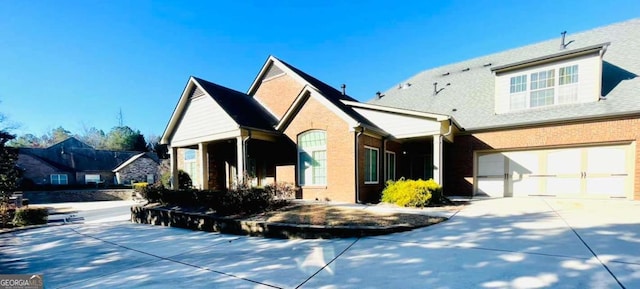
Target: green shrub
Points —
{"points": [[30, 216], [281, 190], [165, 180], [184, 180], [410, 193], [243, 199]]}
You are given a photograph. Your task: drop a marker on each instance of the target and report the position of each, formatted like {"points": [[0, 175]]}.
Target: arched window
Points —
{"points": [[312, 158]]}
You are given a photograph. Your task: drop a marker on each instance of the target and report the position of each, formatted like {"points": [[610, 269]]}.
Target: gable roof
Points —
{"points": [[332, 95], [244, 110], [133, 159], [469, 89], [72, 155]]}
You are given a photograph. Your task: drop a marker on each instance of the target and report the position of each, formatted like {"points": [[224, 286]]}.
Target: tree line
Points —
{"points": [[119, 138]]}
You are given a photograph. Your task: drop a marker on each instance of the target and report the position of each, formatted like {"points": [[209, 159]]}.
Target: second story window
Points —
{"points": [[544, 88], [542, 84], [568, 84]]}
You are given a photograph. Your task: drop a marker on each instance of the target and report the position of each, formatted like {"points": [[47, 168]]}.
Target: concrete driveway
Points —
{"points": [[498, 243]]}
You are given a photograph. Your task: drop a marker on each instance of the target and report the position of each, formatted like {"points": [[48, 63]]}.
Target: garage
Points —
{"points": [[603, 171]]}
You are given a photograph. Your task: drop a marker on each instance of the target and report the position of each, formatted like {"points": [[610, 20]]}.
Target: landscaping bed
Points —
{"points": [[301, 220]]}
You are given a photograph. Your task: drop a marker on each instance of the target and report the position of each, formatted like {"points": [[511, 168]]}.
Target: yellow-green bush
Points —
{"points": [[139, 187], [410, 193]]}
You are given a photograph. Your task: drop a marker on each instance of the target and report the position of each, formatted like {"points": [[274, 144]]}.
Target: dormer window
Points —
{"points": [[543, 89], [567, 77]]}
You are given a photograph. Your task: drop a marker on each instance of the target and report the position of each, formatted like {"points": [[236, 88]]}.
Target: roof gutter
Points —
{"points": [[550, 58], [566, 120]]}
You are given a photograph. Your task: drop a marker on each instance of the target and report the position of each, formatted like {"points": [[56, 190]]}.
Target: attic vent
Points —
{"points": [[446, 73], [273, 71], [487, 64], [466, 69], [196, 92]]}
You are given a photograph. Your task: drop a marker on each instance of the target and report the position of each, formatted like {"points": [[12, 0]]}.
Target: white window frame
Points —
{"points": [[304, 178], [367, 164], [190, 164], [93, 179], [551, 84], [388, 176], [58, 179]]}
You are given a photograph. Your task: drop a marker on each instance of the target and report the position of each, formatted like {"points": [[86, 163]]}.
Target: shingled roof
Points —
{"points": [[333, 95], [243, 109], [73, 155], [471, 94]]}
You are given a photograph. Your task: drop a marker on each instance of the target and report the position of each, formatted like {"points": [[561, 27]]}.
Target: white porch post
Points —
{"points": [[174, 168], [240, 158], [204, 166], [437, 159]]}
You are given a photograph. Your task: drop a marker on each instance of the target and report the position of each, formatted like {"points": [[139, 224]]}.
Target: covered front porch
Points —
{"points": [[222, 163]]}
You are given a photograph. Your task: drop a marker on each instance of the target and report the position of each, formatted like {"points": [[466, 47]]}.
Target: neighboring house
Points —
{"points": [[72, 162], [561, 118], [142, 167]]}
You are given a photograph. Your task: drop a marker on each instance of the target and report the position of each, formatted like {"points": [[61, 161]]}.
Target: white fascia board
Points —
{"points": [[177, 111], [332, 107], [207, 138], [438, 117], [315, 94], [263, 71]]}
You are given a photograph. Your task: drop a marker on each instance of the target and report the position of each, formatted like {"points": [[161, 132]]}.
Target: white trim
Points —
{"points": [[127, 162], [438, 117], [272, 60], [274, 77], [179, 110], [309, 91], [207, 138], [386, 163], [377, 181], [311, 150]]}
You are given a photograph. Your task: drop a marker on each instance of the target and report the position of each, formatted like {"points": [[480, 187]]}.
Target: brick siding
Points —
{"points": [[459, 162], [278, 93], [340, 151]]}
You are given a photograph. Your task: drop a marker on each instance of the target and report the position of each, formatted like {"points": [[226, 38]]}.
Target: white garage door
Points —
{"points": [[581, 172]]}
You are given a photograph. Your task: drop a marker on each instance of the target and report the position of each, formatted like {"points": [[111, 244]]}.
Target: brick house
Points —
{"points": [[72, 162], [555, 118]]}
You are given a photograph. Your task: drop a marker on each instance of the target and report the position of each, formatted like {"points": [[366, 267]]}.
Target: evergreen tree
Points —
{"points": [[9, 175]]}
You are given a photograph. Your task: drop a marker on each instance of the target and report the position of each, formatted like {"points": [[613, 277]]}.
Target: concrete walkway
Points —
{"points": [[499, 243]]}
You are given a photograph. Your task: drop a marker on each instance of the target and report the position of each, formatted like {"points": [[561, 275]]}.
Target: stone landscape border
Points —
{"points": [[213, 223]]}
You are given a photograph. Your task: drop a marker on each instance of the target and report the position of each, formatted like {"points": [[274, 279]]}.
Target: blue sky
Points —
{"points": [[77, 63]]}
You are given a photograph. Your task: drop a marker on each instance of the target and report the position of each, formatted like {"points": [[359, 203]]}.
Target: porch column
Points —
{"points": [[240, 159], [437, 159], [174, 168], [204, 165]]}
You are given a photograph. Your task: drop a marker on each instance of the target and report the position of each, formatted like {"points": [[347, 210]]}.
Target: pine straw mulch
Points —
{"points": [[336, 215]]}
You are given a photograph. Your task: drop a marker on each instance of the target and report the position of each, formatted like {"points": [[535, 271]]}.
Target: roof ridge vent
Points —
{"points": [[564, 45]]}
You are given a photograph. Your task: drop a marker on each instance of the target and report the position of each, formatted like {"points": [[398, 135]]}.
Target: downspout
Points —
{"points": [[384, 160], [357, 138]]}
